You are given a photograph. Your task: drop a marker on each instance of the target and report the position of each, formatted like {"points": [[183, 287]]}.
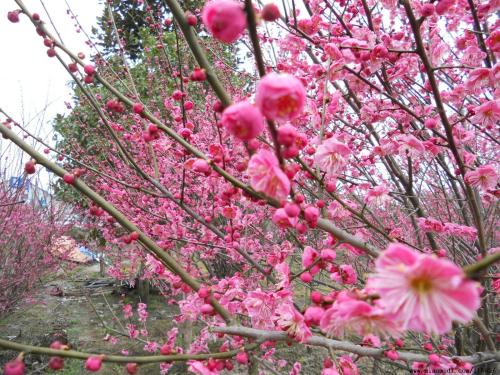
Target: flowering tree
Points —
{"points": [[345, 168], [27, 235]]}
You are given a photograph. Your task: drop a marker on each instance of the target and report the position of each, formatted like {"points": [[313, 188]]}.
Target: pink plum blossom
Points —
{"points": [[266, 175], [243, 120], [350, 314], [484, 177], [423, 292], [280, 96], [331, 156], [487, 113], [224, 19], [293, 322]]}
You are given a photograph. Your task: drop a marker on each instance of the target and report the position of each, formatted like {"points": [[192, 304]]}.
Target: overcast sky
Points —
{"points": [[34, 87]]}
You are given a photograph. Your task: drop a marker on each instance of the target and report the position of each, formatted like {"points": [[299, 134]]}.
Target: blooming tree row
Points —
{"points": [[341, 165]]}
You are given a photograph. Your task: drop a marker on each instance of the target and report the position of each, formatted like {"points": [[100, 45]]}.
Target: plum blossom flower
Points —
{"points": [[377, 195], [465, 231], [410, 146], [293, 322], [310, 256], [493, 41], [199, 368], [266, 175], [243, 120], [423, 292], [348, 366], [260, 307], [350, 314], [345, 274], [224, 19], [430, 224], [487, 113], [371, 340], [485, 177], [331, 155], [280, 96]]}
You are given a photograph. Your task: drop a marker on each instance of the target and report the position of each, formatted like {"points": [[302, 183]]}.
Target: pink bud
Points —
{"points": [[198, 75], [201, 166], [14, 367], [165, 349], [29, 167], [56, 363], [203, 292], [138, 108], [206, 309], [311, 214], [286, 135], [93, 364], [69, 179], [301, 228], [306, 277], [131, 368], [434, 359], [177, 95], [330, 186], [270, 12], [242, 358], [13, 16], [290, 152], [89, 69], [292, 210], [316, 297], [392, 355], [191, 19], [427, 10]]}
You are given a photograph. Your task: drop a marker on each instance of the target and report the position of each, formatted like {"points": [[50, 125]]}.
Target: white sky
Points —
{"points": [[34, 87]]}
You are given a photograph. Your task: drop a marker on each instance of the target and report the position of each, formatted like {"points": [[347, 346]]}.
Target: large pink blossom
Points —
{"points": [[331, 155], [280, 96], [423, 292], [487, 113], [224, 19], [243, 120], [266, 175], [485, 177]]}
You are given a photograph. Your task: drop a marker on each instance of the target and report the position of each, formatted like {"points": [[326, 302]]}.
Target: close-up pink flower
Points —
{"points": [[280, 96], [243, 120], [331, 156], [425, 293], [484, 177], [224, 19], [266, 175]]}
